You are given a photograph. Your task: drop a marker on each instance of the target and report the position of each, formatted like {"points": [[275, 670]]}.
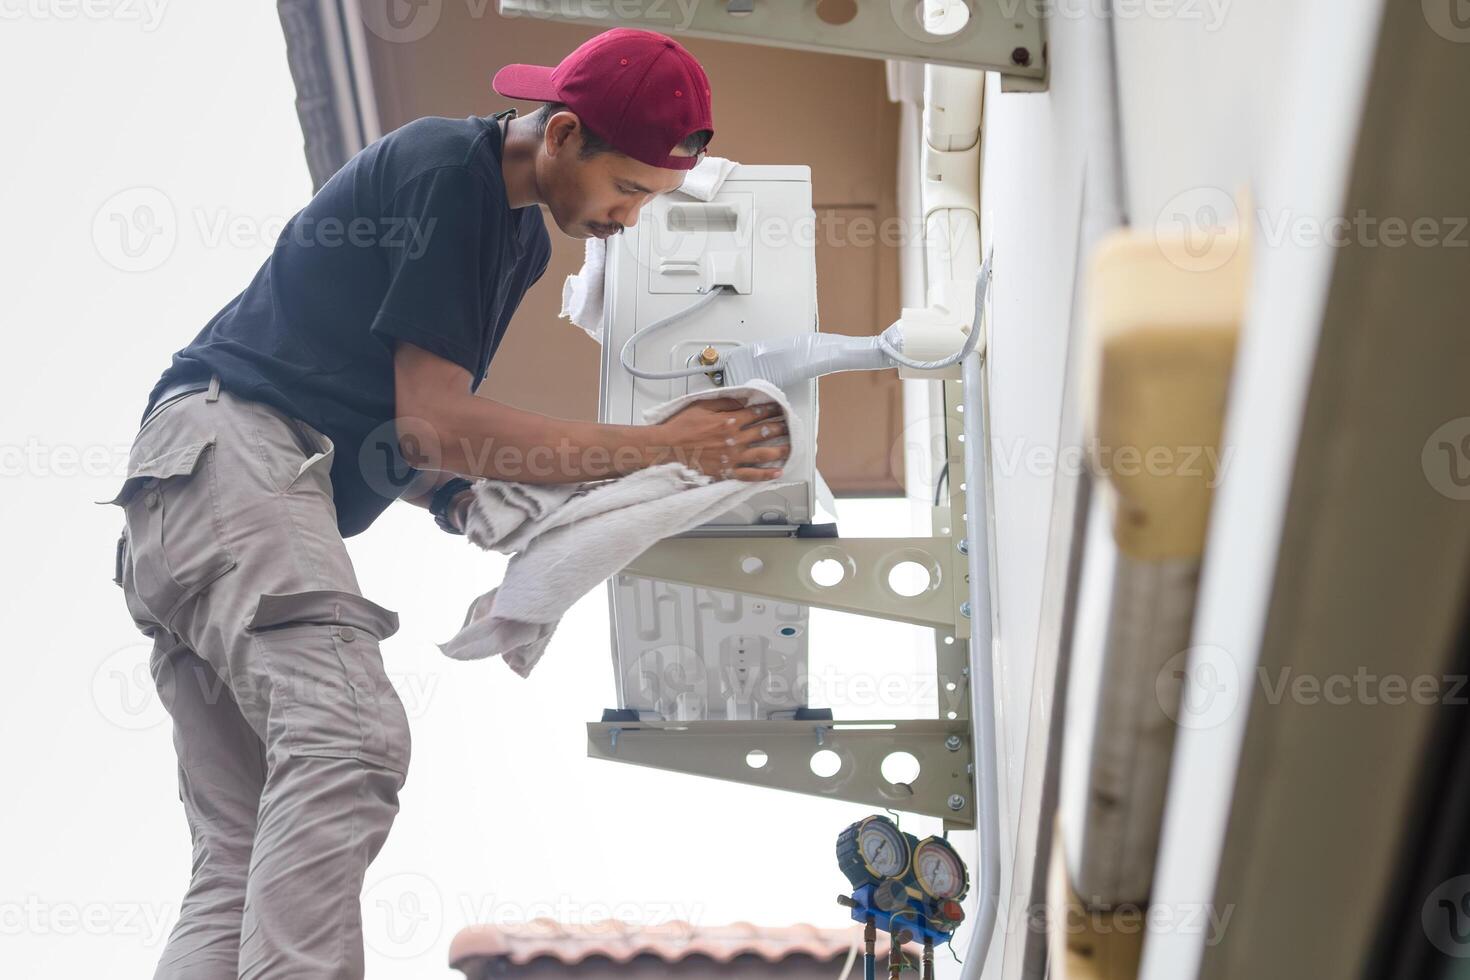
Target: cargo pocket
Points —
{"points": [[294, 455], [329, 694], [174, 544]]}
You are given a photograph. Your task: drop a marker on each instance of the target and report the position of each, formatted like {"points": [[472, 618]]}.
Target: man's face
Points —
{"points": [[596, 196]]}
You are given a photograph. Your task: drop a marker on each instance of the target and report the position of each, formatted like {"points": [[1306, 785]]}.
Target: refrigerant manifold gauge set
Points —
{"points": [[907, 887]]}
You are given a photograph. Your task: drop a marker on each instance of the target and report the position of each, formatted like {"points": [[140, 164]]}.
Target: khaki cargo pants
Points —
{"points": [[292, 744]]}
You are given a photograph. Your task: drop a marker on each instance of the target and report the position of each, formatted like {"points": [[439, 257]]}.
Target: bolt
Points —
{"points": [[965, 609], [963, 545], [956, 802], [1021, 56], [709, 356], [953, 743]]}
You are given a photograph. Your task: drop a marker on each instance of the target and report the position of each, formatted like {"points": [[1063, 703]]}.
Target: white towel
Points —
{"points": [[582, 294], [568, 539], [705, 177]]}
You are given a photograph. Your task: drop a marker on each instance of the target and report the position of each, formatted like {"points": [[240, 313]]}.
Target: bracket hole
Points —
{"points": [[900, 767], [788, 630], [909, 578], [751, 565], [949, 686], [944, 18], [826, 763], [756, 759], [952, 715], [828, 572], [836, 12], [948, 641]]}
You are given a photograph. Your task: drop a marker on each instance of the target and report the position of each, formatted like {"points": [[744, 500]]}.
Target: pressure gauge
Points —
{"points": [[871, 850], [939, 870]]}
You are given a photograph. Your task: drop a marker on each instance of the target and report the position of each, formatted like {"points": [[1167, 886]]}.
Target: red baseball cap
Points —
{"points": [[640, 91]]}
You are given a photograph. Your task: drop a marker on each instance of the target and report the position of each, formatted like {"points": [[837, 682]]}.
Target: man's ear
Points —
{"points": [[559, 130]]}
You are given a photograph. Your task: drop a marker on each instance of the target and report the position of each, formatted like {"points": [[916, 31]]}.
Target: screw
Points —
{"points": [[952, 743], [956, 802], [965, 609], [963, 545], [1021, 56]]}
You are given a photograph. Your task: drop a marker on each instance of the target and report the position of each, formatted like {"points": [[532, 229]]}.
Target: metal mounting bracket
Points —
{"points": [[1003, 36], [729, 750], [782, 569]]}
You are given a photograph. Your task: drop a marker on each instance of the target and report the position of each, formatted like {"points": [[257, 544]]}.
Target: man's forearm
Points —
{"points": [[478, 437]]}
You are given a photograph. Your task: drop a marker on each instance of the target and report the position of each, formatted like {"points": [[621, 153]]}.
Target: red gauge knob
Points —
{"points": [[952, 911]]}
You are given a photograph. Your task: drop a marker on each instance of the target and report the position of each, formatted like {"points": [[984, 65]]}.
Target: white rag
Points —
{"points": [[567, 539], [705, 178], [582, 293]]}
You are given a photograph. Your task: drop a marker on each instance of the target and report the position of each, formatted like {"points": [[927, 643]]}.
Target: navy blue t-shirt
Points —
{"points": [[413, 240]]}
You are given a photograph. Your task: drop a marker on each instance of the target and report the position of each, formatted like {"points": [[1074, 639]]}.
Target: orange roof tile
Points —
{"points": [[671, 941]]}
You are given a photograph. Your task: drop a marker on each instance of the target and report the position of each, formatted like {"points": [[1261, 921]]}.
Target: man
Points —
{"points": [[340, 379]]}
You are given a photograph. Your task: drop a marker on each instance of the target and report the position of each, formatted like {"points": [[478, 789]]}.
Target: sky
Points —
{"points": [[152, 151]]}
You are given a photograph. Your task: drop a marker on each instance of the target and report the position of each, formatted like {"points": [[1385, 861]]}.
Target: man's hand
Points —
{"points": [[716, 436]]}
